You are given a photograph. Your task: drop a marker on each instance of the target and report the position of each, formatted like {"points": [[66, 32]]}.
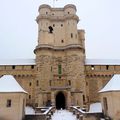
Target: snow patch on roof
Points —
{"points": [[17, 61], [95, 108], [102, 62], [9, 84], [113, 84]]}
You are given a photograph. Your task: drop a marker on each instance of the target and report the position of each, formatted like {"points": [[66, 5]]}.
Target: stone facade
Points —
{"points": [[60, 68]]}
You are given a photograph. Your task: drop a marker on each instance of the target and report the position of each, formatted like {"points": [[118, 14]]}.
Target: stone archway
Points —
{"points": [[60, 101]]}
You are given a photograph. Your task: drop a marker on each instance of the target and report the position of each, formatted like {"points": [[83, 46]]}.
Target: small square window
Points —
{"points": [[29, 96], [13, 67], [107, 67], [32, 66], [61, 25], [71, 35], [62, 41], [30, 84], [8, 103]]}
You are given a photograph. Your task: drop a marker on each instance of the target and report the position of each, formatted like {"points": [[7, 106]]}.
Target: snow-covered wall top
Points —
{"points": [[102, 62], [17, 62], [32, 62]]}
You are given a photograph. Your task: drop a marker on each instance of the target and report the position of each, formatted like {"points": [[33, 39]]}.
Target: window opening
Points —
{"points": [[8, 103], [59, 69], [30, 84], [62, 41], [69, 82], [13, 67], [61, 25], [50, 29], [51, 68], [29, 96], [83, 98], [105, 103], [50, 82], [107, 67], [71, 35], [53, 25], [37, 83], [32, 66]]}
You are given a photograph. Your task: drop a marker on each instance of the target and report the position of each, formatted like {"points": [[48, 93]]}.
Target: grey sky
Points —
{"points": [[99, 18]]}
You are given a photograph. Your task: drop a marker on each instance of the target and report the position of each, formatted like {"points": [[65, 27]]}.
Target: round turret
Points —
{"points": [[70, 9], [44, 9]]}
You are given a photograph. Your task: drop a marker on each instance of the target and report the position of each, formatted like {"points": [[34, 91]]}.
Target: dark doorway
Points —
{"points": [[60, 101]]}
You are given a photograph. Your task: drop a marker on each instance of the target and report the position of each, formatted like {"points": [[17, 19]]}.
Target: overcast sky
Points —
{"points": [[99, 18]]}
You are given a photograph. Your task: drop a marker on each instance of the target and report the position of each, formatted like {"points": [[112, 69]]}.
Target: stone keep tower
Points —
{"points": [[60, 56]]}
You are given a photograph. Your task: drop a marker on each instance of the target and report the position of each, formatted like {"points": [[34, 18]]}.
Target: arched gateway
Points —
{"points": [[60, 101]]}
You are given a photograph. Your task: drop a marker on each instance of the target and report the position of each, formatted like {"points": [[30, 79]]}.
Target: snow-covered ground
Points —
{"points": [[63, 115]]}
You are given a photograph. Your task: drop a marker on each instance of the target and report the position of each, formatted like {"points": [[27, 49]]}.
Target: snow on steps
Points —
{"points": [[63, 115]]}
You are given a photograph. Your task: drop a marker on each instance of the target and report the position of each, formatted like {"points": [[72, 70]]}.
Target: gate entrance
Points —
{"points": [[60, 101]]}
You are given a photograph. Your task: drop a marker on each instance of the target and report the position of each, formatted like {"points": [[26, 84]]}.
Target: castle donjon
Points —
{"points": [[60, 75]]}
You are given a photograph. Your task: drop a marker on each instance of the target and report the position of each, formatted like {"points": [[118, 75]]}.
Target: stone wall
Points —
{"points": [[35, 117]]}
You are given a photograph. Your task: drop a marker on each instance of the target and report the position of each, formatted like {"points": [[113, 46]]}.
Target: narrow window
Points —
{"points": [[92, 67], [62, 41], [71, 35], [8, 103], [61, 25], [30, 84], [86, 83], [107, 67], [105, 104], [50, 82], [51, 68], [59, 69], [68, 12], [50, 29], [46, 13], [29, 96], [13, 67], [83, 98], [32, 66], [37, 83], [69, 82], [53, 25]]}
